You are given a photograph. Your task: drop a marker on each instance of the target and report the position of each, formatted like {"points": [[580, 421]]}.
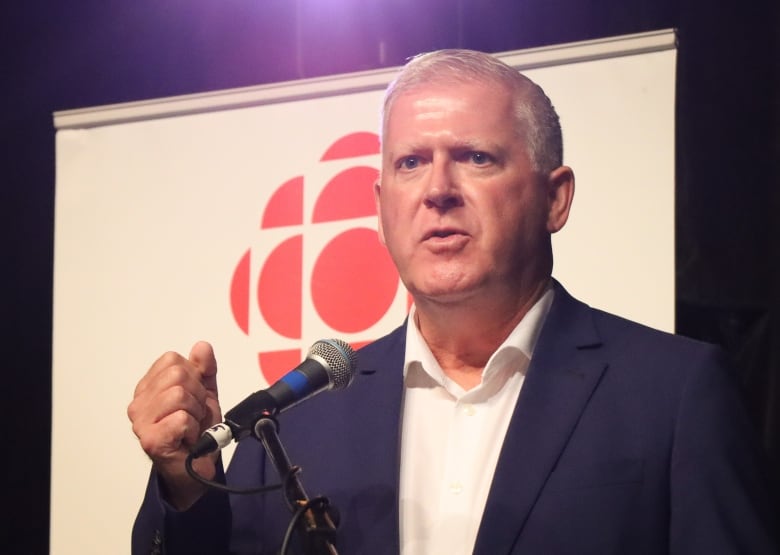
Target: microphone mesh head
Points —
{"points": [[340, 359]]}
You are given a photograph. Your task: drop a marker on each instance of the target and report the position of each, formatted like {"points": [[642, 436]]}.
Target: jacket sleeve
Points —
{"points": [[160, 529]]}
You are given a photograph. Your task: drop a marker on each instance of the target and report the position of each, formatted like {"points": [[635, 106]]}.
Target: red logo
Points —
{"points": [[352, 281]]}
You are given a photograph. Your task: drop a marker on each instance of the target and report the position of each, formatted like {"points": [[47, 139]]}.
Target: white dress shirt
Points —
{"points": [[451, 438]]}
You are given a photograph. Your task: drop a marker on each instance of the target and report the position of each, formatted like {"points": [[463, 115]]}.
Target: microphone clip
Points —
{"points": [[237, 425]]}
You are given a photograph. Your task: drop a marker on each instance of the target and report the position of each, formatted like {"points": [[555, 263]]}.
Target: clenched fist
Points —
{"points": [[173, 404]]}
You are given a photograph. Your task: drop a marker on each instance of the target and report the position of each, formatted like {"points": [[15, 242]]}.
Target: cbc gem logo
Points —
{"points": [[346, 284]]}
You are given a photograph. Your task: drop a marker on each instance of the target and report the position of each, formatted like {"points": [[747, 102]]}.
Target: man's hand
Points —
{"points": [[173, 404]]}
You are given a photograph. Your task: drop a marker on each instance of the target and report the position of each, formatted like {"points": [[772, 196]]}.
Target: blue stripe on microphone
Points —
{"points": [[297, 381]]}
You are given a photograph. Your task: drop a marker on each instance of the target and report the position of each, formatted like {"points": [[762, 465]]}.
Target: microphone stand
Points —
{"points": [[316, 528]]}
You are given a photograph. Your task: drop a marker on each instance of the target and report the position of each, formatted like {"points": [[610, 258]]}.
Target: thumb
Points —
{"points": [[202, 358]]}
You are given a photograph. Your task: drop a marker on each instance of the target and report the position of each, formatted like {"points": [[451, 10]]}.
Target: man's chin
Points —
{"points": [[441, 294]]}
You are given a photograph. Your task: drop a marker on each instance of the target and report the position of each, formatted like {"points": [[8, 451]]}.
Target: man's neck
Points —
{"points": [[464, 335]]}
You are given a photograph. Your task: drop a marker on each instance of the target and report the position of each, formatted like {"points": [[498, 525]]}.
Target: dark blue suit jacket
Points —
{"points": [[624, 440]]}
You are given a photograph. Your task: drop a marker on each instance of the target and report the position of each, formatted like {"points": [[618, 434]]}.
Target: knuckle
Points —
{"points": [[131, 411], [182, 421], [146, 445], [137, 431], [177, 374], [177, 394], [169, 357], [167, 360]]}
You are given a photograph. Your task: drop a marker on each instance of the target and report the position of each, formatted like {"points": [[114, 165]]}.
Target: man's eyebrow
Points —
{"points": [[478, 144], [405, 149]]}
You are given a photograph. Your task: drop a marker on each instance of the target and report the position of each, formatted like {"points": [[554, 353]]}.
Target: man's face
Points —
{"points": [[461, 210]]}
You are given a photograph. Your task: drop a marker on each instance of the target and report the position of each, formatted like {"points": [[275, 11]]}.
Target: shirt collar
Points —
{"points": [[512, 355]]}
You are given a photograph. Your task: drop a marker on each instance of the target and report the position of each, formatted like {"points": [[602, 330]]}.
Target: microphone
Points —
{"points": [[330, 364]]}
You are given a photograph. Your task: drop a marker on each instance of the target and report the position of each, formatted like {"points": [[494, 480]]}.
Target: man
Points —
{"points": [[504, 416]]}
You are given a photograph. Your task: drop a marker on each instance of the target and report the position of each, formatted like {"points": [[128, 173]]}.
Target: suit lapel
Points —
{"points": [[375, 434], [561, 378]]}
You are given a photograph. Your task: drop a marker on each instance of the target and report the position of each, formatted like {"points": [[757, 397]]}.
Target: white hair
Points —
{"points": [[537, 121]]}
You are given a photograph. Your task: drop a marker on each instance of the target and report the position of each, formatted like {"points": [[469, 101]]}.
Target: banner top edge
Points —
{"points": [[228, 99]]}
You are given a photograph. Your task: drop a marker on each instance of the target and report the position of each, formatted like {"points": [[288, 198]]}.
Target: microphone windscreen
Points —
{"points": [[340, 360]]}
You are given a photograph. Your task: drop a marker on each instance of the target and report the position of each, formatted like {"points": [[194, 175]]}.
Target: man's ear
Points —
{"points": [[377, 203], [560, 192]]}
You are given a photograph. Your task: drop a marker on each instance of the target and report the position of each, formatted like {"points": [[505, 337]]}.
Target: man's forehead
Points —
{"points": [[438, 96]]}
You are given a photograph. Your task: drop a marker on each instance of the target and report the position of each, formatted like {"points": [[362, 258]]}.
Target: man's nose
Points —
{"points": [[442, 190]]}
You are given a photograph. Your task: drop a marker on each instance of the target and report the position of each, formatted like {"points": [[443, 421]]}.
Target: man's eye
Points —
{"points": [[410, 162], [479, 158]]}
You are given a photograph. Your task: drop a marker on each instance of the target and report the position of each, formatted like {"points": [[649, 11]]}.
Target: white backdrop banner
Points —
{"points": [[246, 218]]}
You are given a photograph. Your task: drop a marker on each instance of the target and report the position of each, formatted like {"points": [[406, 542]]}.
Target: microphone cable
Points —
{"points": [[320, 503], [226, 488]]}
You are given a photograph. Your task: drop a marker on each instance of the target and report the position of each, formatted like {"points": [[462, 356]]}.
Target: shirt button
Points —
{"points": [[456, 488], [469, 410]]}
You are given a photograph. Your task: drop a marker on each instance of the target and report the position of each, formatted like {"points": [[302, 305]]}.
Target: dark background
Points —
{"points": [[64, 55]]}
